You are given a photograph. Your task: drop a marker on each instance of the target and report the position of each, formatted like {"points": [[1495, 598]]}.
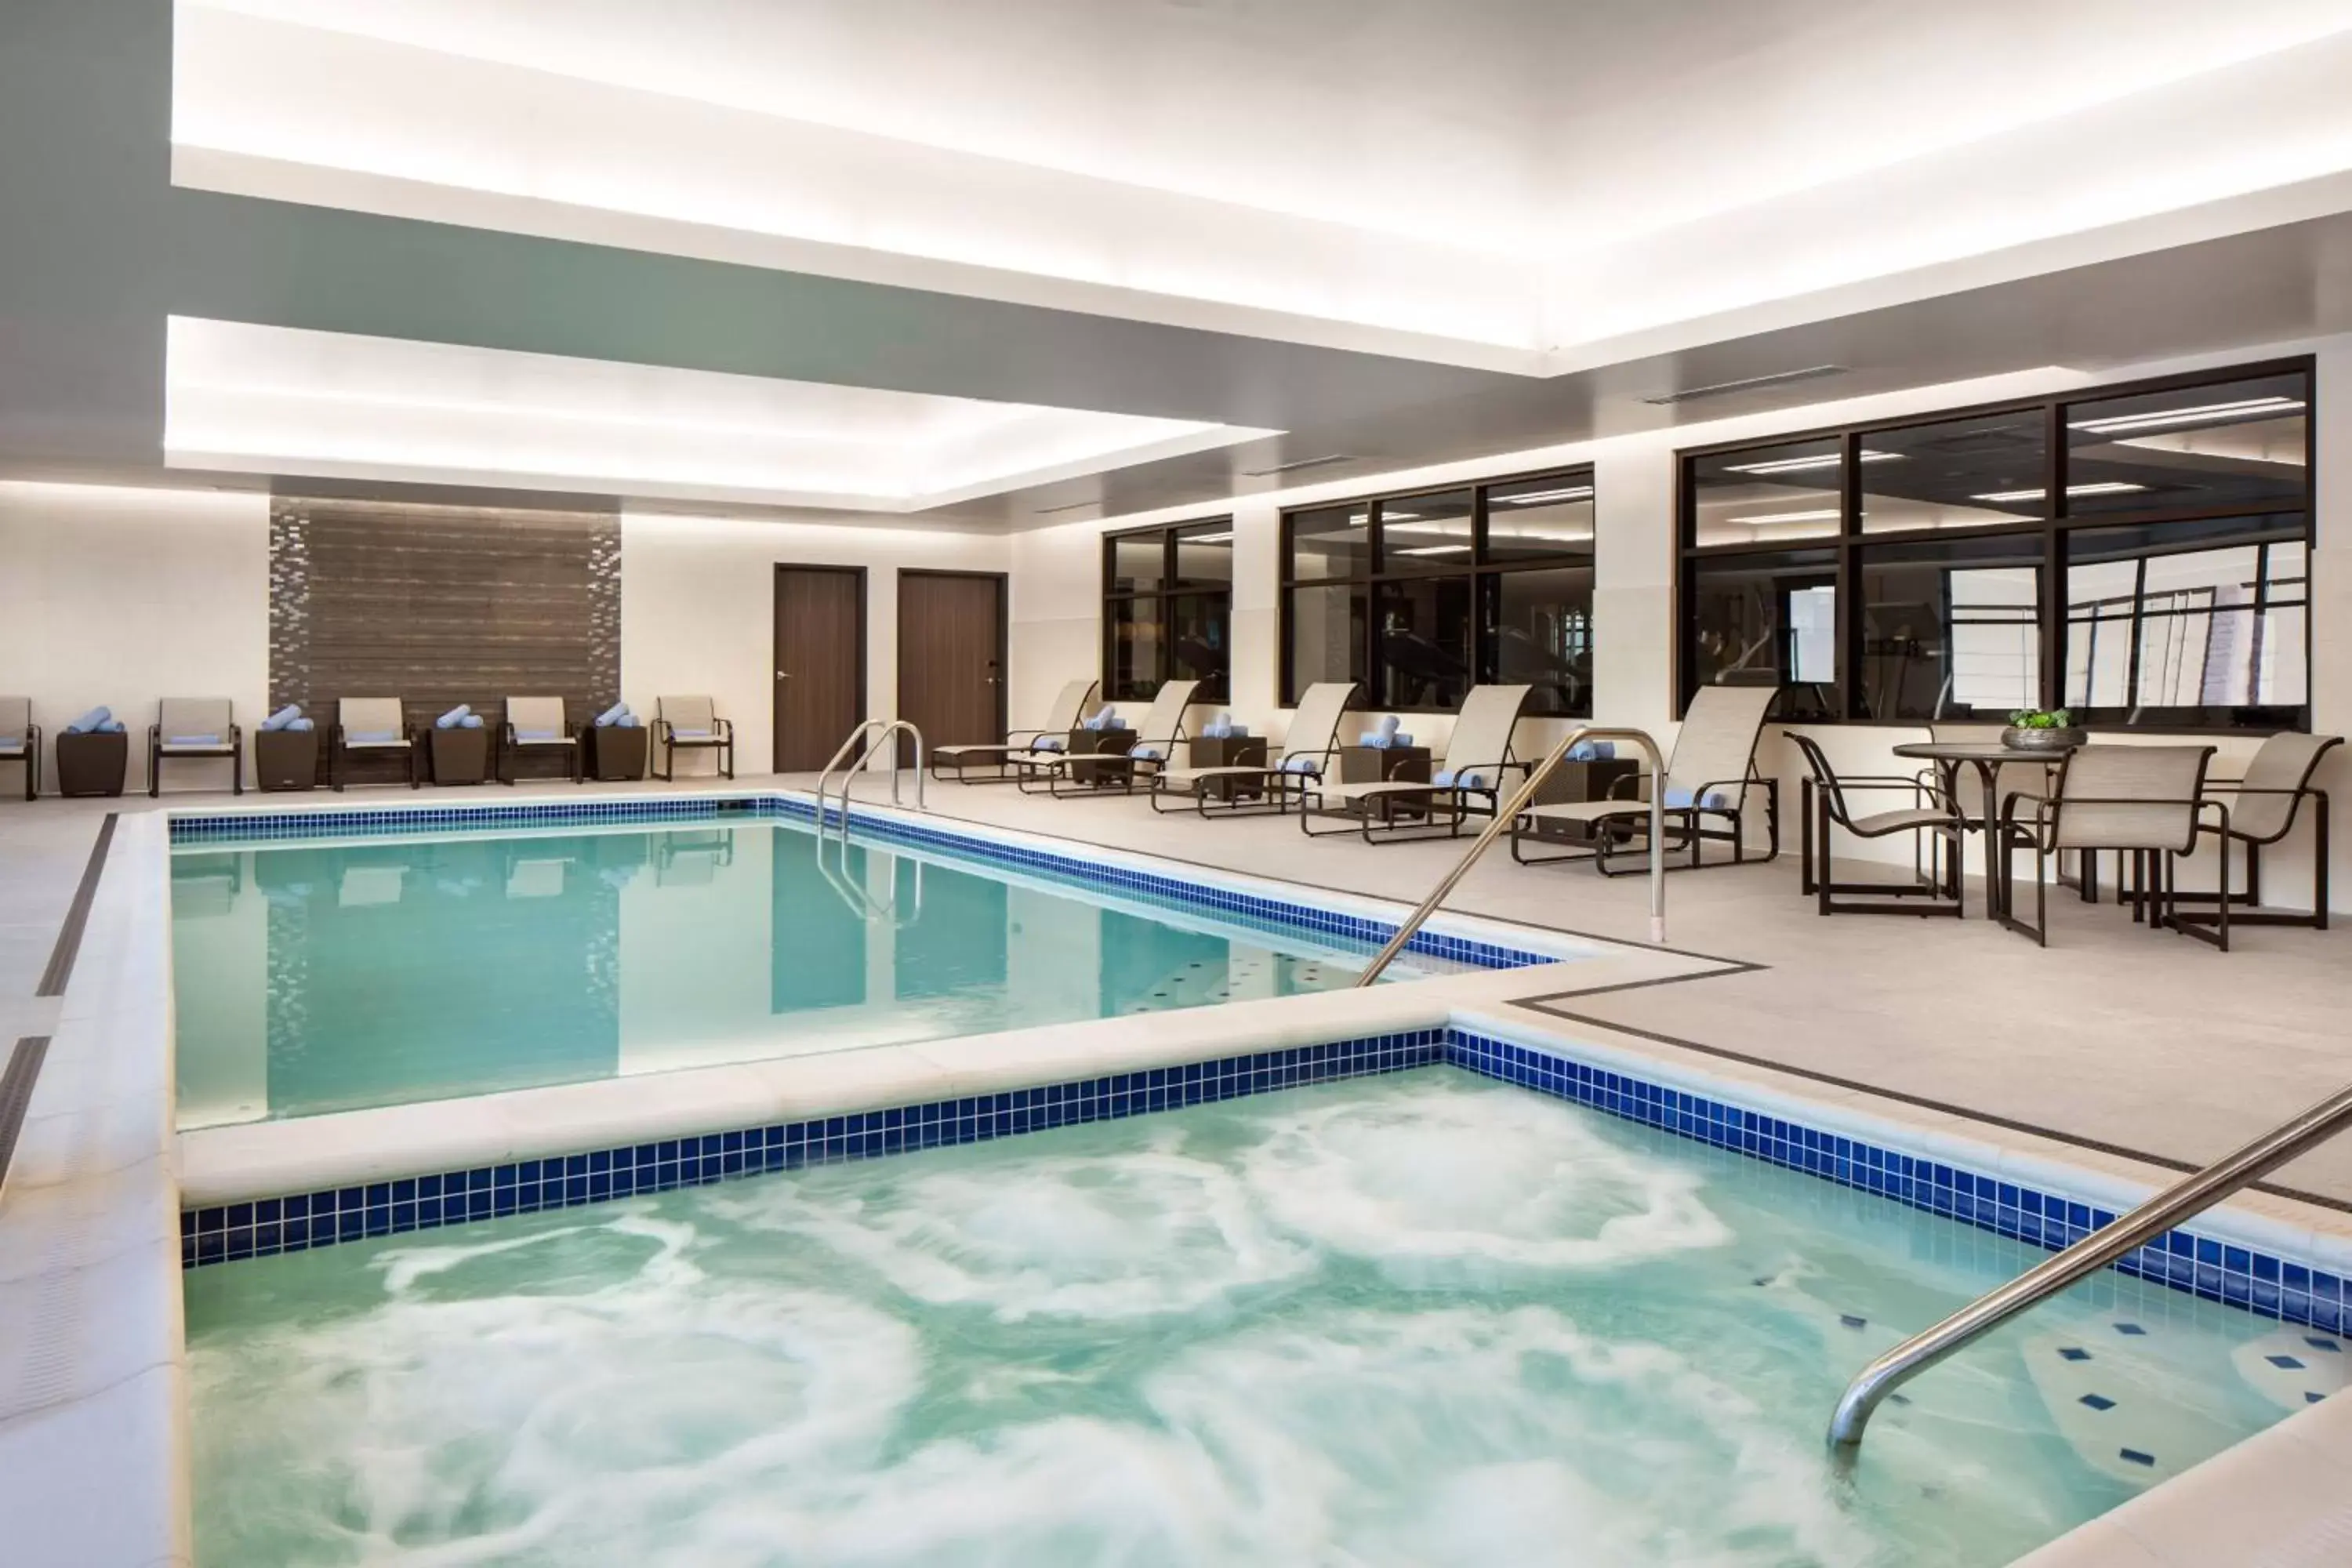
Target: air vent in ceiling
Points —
{"points": [[1302, 463], [1065, 506], [1751, 383]]}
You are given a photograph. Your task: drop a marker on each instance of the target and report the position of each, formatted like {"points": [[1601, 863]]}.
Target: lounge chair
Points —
{"points": [[1157, 735], [1478, 755], [536, 724], [691, 724], [20, 741], [1309, 751], [1070, 706], [1938, 884], [2149, 803], [194, 727], [372, 727], [1710, 773]]}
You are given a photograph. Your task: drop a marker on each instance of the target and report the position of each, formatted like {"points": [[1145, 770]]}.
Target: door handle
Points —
{"points": [[783, 676]]}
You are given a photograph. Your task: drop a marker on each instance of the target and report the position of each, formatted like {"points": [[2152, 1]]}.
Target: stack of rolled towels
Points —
{"points": [[619, 717], [290, 718], [1222, 727], [461, 717], [1106, 720], [1384, 735], [98, 721], [1593, 750]]}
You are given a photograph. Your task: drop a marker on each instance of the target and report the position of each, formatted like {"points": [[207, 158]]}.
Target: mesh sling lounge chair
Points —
{"points": [[1308, 752], [20, 741], [535, 724], [373, 727], [1070, 706], [194, 727], [1157, 735], [692, 724], [1710, 773], [1477, 755], [1926, 813], [2263, 808], [2145, 802]]}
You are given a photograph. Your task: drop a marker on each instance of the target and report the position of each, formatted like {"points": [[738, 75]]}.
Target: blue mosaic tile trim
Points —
{"points": [[303, 1221], [2183, 1259], [231, 828], [252, 828]]}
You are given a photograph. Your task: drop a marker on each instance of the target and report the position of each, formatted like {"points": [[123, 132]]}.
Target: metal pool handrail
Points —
{"points": [[1506, 812], [889, 729], [2189, 1196]]}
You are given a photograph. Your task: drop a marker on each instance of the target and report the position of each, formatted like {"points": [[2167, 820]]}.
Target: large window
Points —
{"points": [[2138, 555], [1166, 610], [1421, 597]]}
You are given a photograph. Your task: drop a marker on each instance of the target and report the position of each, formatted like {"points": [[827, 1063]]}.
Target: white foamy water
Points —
{"points": [[1419, 1321]]}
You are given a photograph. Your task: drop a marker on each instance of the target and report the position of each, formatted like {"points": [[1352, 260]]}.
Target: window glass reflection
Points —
{"points": [[2233, 444], [1336, 542], [1951, 631], [1539, 635], [1199, 646], [1977, 472], [1136, 635], [1426, 533], [1138, 562], [1768, 619], [1539, 518], [2200, 623], [1767, 494], [1424, 642], [1205, 556]]}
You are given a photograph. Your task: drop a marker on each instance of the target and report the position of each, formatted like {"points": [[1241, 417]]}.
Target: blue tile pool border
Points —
{"points": [[2186, 1260], [1199, 893]]}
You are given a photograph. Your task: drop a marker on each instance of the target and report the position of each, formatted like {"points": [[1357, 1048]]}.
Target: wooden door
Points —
{"points": [[951, 658], [820, 662]]}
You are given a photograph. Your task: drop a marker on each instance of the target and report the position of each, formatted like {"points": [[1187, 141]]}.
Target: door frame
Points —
{"points": [[776, 645], [1004, 581]]}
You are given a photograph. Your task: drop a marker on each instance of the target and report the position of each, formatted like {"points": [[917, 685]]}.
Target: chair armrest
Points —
{"points": [[724, 726], [237, 734], [335, 734]]}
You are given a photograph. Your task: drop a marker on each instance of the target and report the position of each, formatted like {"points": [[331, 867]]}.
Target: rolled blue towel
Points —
{"points": [[1678, 798], [1311, 766], [1050, 743], [284, 718], [628, 721], [455, 718], [192, 740], [357, 737], [1148, 753], [1370, 738], [301, 726], [112, 727], [470, 721], [612, 716], [1465, 778], [1399, 741], [534, 734], [91, 722], [1106, 720], [1236, 733], [1387, 725]]}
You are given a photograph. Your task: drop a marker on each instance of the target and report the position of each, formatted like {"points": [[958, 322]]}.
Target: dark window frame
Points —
{"points": [[1480, 572], [2054, 526], [1167, 589]]}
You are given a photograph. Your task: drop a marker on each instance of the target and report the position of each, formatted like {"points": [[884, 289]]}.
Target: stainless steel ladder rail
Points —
{"points": [[889, 730], [2190, 1197], [1505, 812]]}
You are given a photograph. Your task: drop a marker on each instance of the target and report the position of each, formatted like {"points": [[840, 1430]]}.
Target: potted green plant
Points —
{"points": [[2043, 729]]}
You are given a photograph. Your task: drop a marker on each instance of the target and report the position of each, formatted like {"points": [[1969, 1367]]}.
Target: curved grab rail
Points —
{"points": [[890, 731], [2143, 1224], [1506, 812]]}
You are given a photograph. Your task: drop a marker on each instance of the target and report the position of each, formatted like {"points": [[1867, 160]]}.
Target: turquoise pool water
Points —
{"points": [[1414, 1320], [315, 977]]}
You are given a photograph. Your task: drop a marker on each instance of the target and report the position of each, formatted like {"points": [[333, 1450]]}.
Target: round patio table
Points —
{"points": [[1989, 757]]}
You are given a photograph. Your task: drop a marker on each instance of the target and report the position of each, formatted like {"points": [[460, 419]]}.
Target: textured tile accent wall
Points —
{"points": [[441, 605]]}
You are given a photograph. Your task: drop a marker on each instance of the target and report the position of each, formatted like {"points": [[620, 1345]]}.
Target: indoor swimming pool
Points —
{"points": [[1424, 1318], [318, 975]]}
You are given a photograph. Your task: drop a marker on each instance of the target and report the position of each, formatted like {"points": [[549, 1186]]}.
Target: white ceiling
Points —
{"points": [[272, 400], [1513, 184]]}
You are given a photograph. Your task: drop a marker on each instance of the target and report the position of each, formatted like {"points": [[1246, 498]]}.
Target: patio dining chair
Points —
{"points": [[1925, 815], [188, 727], [1308, 753], [1479, 758], [2145, 803], [2263, 806], [20, 741], [535, 725], [692, 724], [1711, 773], [1070, 706], [372, 727], [1157, 735]]}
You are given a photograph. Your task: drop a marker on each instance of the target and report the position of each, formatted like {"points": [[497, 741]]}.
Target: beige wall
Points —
{"points": [[698, 609], [1057, 571], [127, 596]]}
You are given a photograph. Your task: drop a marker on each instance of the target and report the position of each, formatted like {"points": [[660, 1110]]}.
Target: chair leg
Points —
{"points": [[1820, 833]]}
